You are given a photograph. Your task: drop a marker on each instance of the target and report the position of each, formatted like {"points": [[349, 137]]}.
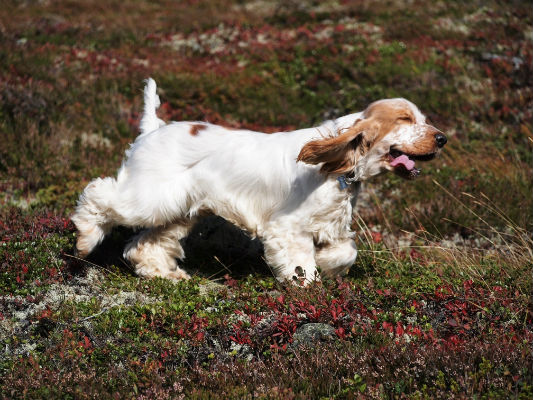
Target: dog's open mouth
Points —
{"points": [[404, 163]]}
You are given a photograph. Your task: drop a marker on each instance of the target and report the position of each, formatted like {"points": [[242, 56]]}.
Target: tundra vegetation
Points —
{"points": [[438, 304]]}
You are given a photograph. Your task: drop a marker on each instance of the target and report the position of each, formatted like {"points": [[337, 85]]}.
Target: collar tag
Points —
{"points": [[342, 182]]}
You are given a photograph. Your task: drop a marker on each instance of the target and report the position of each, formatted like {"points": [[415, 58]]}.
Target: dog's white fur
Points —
{"points": [[175, 173]]}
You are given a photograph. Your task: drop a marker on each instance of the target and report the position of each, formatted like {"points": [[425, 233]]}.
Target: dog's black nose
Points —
{"points": [[441, 139]]}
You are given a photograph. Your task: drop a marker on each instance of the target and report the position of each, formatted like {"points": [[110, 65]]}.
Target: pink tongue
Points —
{"points": [[403, 160]]}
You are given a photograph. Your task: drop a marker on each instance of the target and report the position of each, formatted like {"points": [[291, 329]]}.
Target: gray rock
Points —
{"points": [[309, 334]]}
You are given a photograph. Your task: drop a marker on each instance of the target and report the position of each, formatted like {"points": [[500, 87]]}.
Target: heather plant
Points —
{"points": [[438, 303]]}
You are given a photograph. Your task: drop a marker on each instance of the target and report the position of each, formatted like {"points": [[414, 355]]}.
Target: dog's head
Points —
{"points": [[391, 136]]}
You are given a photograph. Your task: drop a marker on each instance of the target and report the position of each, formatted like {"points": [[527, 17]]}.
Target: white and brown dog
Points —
{"points": [[294, 190]]}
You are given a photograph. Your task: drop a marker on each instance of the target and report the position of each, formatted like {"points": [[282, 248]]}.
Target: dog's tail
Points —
{"points": [[149, 121]]}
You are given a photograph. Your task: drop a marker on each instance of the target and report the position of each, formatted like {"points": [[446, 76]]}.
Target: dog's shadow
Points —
{"points": [[213, 249]]}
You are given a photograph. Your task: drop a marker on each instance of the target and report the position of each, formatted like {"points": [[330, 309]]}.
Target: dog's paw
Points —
{"points": [[178, 275]]}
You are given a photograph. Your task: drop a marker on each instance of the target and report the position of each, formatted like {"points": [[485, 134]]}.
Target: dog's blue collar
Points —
{"points": [[345, 182]]}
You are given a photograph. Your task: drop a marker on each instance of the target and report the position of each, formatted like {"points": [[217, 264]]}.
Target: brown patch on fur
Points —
{"points": [[385, 116], [391, 112], [195, 128]]}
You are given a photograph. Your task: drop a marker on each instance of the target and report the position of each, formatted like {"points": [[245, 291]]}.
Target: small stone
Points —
{"points": [[308, 334]]}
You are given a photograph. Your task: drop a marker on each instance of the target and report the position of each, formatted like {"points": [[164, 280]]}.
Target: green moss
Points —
{"points": [[29, 266]]}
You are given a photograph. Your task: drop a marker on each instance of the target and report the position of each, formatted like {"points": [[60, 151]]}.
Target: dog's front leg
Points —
{"points": [[291, 254], [336, 258]]}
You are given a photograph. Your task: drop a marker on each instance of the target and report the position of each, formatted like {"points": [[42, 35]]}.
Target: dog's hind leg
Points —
{"points": [[94, 216], [153, 252]]}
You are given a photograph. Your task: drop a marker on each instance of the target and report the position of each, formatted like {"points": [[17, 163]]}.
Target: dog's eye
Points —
{"points": [[405, 118]]}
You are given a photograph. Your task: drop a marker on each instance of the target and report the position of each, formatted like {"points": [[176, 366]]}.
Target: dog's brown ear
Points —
{"points": [[337, 153]]}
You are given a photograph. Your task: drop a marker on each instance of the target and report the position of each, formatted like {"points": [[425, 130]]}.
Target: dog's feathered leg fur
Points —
{"points": [[154, 251], [94, 216]]}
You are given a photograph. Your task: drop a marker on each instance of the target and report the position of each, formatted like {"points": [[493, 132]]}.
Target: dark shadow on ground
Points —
{"points": [[213, 249], [216, 247], [109, 252]]}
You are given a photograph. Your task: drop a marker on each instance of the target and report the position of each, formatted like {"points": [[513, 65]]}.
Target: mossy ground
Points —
{"points": [[438, 303]]}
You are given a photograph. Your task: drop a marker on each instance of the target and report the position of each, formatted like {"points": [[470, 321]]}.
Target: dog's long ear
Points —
{"points": [[337, 153]]}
